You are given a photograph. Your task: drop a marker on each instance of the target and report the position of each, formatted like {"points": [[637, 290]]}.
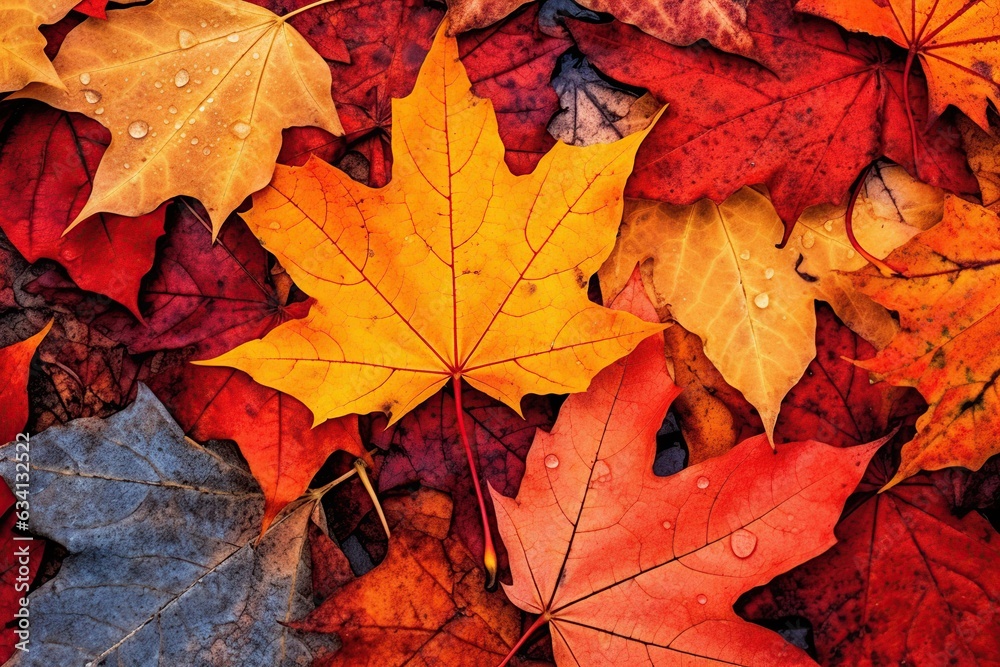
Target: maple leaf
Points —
{"points": [[630, 568], [804, 131], [956, 43], [22, 54], [98, 8], [718, 270], [908, 582], [425, 446], [16, 360], [721, 22], [11, 559], [410, 286], [451, 619], [273, 430], [130, 590], [195, 93], [947, 301], [46, 161]]}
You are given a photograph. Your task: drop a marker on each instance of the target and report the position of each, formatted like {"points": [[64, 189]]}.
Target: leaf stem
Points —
{"points": [[911, 54], [489, 553], [849, 226], [302, 9], [360, 466], [532, 629]]}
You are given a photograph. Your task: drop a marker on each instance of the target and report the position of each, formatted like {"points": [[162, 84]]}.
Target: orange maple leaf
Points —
{"points": [[456, 270], [948, 299], [633, 569]]}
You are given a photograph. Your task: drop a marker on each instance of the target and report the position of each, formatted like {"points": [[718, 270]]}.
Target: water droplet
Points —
{"points": [[761, 300], [138, 129], [745, 255], [85, 78], [808, 240], [246, 73], [207, 151], [240, 129], [181, 78], [194, 142], [127, 165], [828, 225], [256, 55], [702, 482], [92, 96], [158, 84], [233, 37], [274, 225], [850, 253], [743, 542], [191, 121], [186, 39], [203, 24], [98, 111], [172, 109], [551, 461], [702, 599], [210, 100], [768, 273], [667, 525], [69, 253], [215, 71]]}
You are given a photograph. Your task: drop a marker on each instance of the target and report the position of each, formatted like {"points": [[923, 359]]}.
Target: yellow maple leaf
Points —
{"points": [[195, 93], [22, 46], [456, 269], [717, 269]]}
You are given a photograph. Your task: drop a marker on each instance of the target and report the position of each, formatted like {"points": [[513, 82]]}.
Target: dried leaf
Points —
{"points": [[166, 571]]}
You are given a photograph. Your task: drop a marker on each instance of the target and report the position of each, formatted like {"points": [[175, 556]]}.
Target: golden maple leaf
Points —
{"points": [[195, 93], [718, 270], [456, 269], [22, 46], [948, 299]]}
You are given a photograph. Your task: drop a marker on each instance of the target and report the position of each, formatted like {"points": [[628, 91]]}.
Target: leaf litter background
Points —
{"points": [[911, 578]]}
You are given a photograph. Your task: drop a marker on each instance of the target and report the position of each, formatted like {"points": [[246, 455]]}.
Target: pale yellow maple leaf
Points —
{"points": [[195, 93], [717, 269]]}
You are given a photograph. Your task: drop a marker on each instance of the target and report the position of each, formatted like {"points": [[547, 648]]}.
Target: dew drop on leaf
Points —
{"points": [[92, 96], [808, 240], [274, 225], [828, 225], [702, 482], [85, 78], [233, 37], [743, 542], [768, 273], [181, 78], [186, 39], [240, 129], [702, 599], [745, 255], [138, 129], [667, 525], [761, 300], [551, 461]]}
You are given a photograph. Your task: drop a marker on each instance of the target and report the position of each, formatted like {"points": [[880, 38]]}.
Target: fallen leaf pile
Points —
{"points": [[486, 333]]}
